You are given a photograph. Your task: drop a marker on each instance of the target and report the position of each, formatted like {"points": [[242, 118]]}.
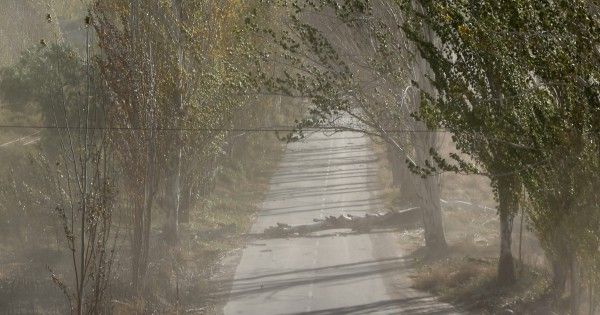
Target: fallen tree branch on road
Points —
{"points": [[404, 219]]}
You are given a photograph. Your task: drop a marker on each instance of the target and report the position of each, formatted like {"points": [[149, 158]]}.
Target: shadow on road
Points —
{"points": [[408, 306], [347, 273]]}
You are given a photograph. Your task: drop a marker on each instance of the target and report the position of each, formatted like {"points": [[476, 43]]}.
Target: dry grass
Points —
{"points": [[465, 274], [471, 284], [450, 277]]}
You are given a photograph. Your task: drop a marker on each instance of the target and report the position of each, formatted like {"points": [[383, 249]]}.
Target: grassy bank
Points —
{"points": [[470, 283], [464, 275]]}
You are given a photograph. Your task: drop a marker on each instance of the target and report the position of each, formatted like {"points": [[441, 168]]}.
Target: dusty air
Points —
{"points": [[320, 157]]}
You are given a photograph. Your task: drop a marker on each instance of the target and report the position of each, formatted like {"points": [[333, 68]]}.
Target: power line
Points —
{"points": [[254, 129], [249, 129]]}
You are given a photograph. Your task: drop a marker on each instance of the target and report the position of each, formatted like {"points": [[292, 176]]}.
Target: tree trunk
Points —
{"points": [[592, 305], [506, 266], [186, 201], [422, 142], [559, 277], [429, 202], [402, 179], [174, 182], [559, 260], [428, 192], [395, 166], [136, 249], [141, 236], [508, 204], [403, 219], [173, 194], [575, 285]]}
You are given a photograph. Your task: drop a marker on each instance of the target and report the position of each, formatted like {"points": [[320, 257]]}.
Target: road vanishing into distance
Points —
{"points": [[331, 272]]}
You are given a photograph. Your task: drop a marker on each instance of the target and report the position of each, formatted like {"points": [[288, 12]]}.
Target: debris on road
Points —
{"points": [[403, 219]]}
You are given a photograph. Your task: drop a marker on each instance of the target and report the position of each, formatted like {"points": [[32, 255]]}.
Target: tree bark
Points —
{"points": [[141, 235], [559, 277], [429, 187], [142, 217], [428, 193], [506, 266], [508, 204], [174, 181], [173, 195], [136, 249], [395, 166], [575, 285], [429, 202], [187, 198]]}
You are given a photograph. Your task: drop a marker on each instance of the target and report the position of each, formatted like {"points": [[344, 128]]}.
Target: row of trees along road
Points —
{"points": [[516, 84], [142, 122], [341, 58], [170, 66]]}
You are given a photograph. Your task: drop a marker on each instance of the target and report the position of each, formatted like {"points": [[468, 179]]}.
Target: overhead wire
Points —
{"points": [[199, 129]]}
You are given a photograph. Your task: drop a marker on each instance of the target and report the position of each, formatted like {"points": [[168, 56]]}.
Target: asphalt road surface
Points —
{"points": [[333, 272]]}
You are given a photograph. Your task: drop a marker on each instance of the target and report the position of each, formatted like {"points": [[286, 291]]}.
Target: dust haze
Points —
{"points": [[299, 157]]}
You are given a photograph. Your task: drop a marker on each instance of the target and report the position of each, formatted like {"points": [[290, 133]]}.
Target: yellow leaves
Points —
{"points": [[442, 11], [464, 31], [227, 18], [447, 18]]}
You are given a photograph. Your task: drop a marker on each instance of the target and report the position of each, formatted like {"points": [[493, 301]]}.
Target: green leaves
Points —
{"points": [[509, 83]]}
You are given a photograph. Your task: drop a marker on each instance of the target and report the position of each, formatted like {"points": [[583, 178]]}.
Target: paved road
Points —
{"points": [[327, 273]]}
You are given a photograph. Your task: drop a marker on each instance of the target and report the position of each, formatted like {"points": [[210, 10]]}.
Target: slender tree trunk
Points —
{"points": [[173, 200], [136, 248], [174, 182], [186, 202], [521, 264], [142, 219], [428, 197], [592, 303], [146, 225], [575, 285], [508, 206], [559, 261]]}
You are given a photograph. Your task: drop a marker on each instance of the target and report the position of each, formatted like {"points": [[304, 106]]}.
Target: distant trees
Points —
{"points": [[45, 79], [75, 162], [341, 57]]}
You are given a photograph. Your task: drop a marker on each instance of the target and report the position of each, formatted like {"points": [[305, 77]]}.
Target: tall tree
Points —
{"points": [[170, 67], [511, 105]]}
